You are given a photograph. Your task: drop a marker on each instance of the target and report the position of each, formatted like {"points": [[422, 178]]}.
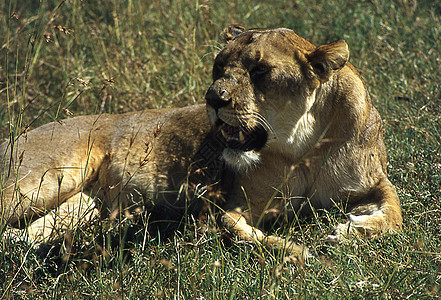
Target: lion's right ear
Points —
{"points": [[328, 58], [232, 31]]}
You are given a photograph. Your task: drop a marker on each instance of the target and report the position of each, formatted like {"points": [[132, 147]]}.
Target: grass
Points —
{"points": [[62, 58]]}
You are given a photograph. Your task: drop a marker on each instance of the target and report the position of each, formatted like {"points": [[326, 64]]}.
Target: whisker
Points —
{"points": [[259, 118], [263, 122]]}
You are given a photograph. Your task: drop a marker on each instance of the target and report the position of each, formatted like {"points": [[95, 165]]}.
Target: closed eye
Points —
{"points": [[258, 71]]}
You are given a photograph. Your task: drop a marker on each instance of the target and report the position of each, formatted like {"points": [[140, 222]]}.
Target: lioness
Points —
{"points": [[301, 132], [151, 159], [293, 121]]}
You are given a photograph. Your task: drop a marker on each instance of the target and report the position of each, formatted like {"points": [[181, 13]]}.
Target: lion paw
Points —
{"points": [[295, 253], [353, 228], [297, 258], [343, 233]]}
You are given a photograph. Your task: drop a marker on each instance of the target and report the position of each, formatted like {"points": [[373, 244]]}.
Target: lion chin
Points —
{"points": [[241, 161]]}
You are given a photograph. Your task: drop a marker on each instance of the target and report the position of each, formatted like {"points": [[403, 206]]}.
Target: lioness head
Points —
{"points": [[265, 82]]}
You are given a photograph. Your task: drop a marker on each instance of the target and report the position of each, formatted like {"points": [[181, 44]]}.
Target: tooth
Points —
{"points": [[241, 136], [225, 135]]}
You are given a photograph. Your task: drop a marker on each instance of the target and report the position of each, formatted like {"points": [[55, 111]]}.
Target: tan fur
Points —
{"points": [[299, 131], [325, 141], [127, 161]]}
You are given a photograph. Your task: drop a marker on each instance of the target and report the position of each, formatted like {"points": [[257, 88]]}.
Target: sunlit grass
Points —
{"points": [[62, 58]]}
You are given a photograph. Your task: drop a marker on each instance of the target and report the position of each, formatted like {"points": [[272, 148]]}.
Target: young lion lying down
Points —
{"points": [[293, 122]]}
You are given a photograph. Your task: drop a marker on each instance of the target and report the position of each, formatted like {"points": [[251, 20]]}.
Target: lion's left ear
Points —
{"points": [[328, 58], [232, 31]]}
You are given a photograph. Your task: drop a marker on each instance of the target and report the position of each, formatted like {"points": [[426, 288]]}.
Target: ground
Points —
{"points": [[63, 58]]}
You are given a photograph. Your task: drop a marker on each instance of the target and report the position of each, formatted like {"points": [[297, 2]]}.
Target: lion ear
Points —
{"points": [[232, 31], [328, 58]]}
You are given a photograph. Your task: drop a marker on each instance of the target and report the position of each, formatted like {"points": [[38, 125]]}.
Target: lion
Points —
{"points": [[66, 173], [301, 133], [287, 128]]}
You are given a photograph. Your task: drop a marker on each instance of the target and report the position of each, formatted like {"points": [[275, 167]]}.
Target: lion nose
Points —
{"points": [[217, 98]]}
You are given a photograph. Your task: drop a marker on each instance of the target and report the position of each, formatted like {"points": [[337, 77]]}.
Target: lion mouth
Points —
{"points": [[243, 139]]}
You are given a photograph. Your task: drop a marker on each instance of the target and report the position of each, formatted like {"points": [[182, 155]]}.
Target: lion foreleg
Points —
{"points": [[236, 223]]}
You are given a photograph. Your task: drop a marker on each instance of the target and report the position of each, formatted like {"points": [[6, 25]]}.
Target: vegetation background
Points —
{"points": [[60, 58]]}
